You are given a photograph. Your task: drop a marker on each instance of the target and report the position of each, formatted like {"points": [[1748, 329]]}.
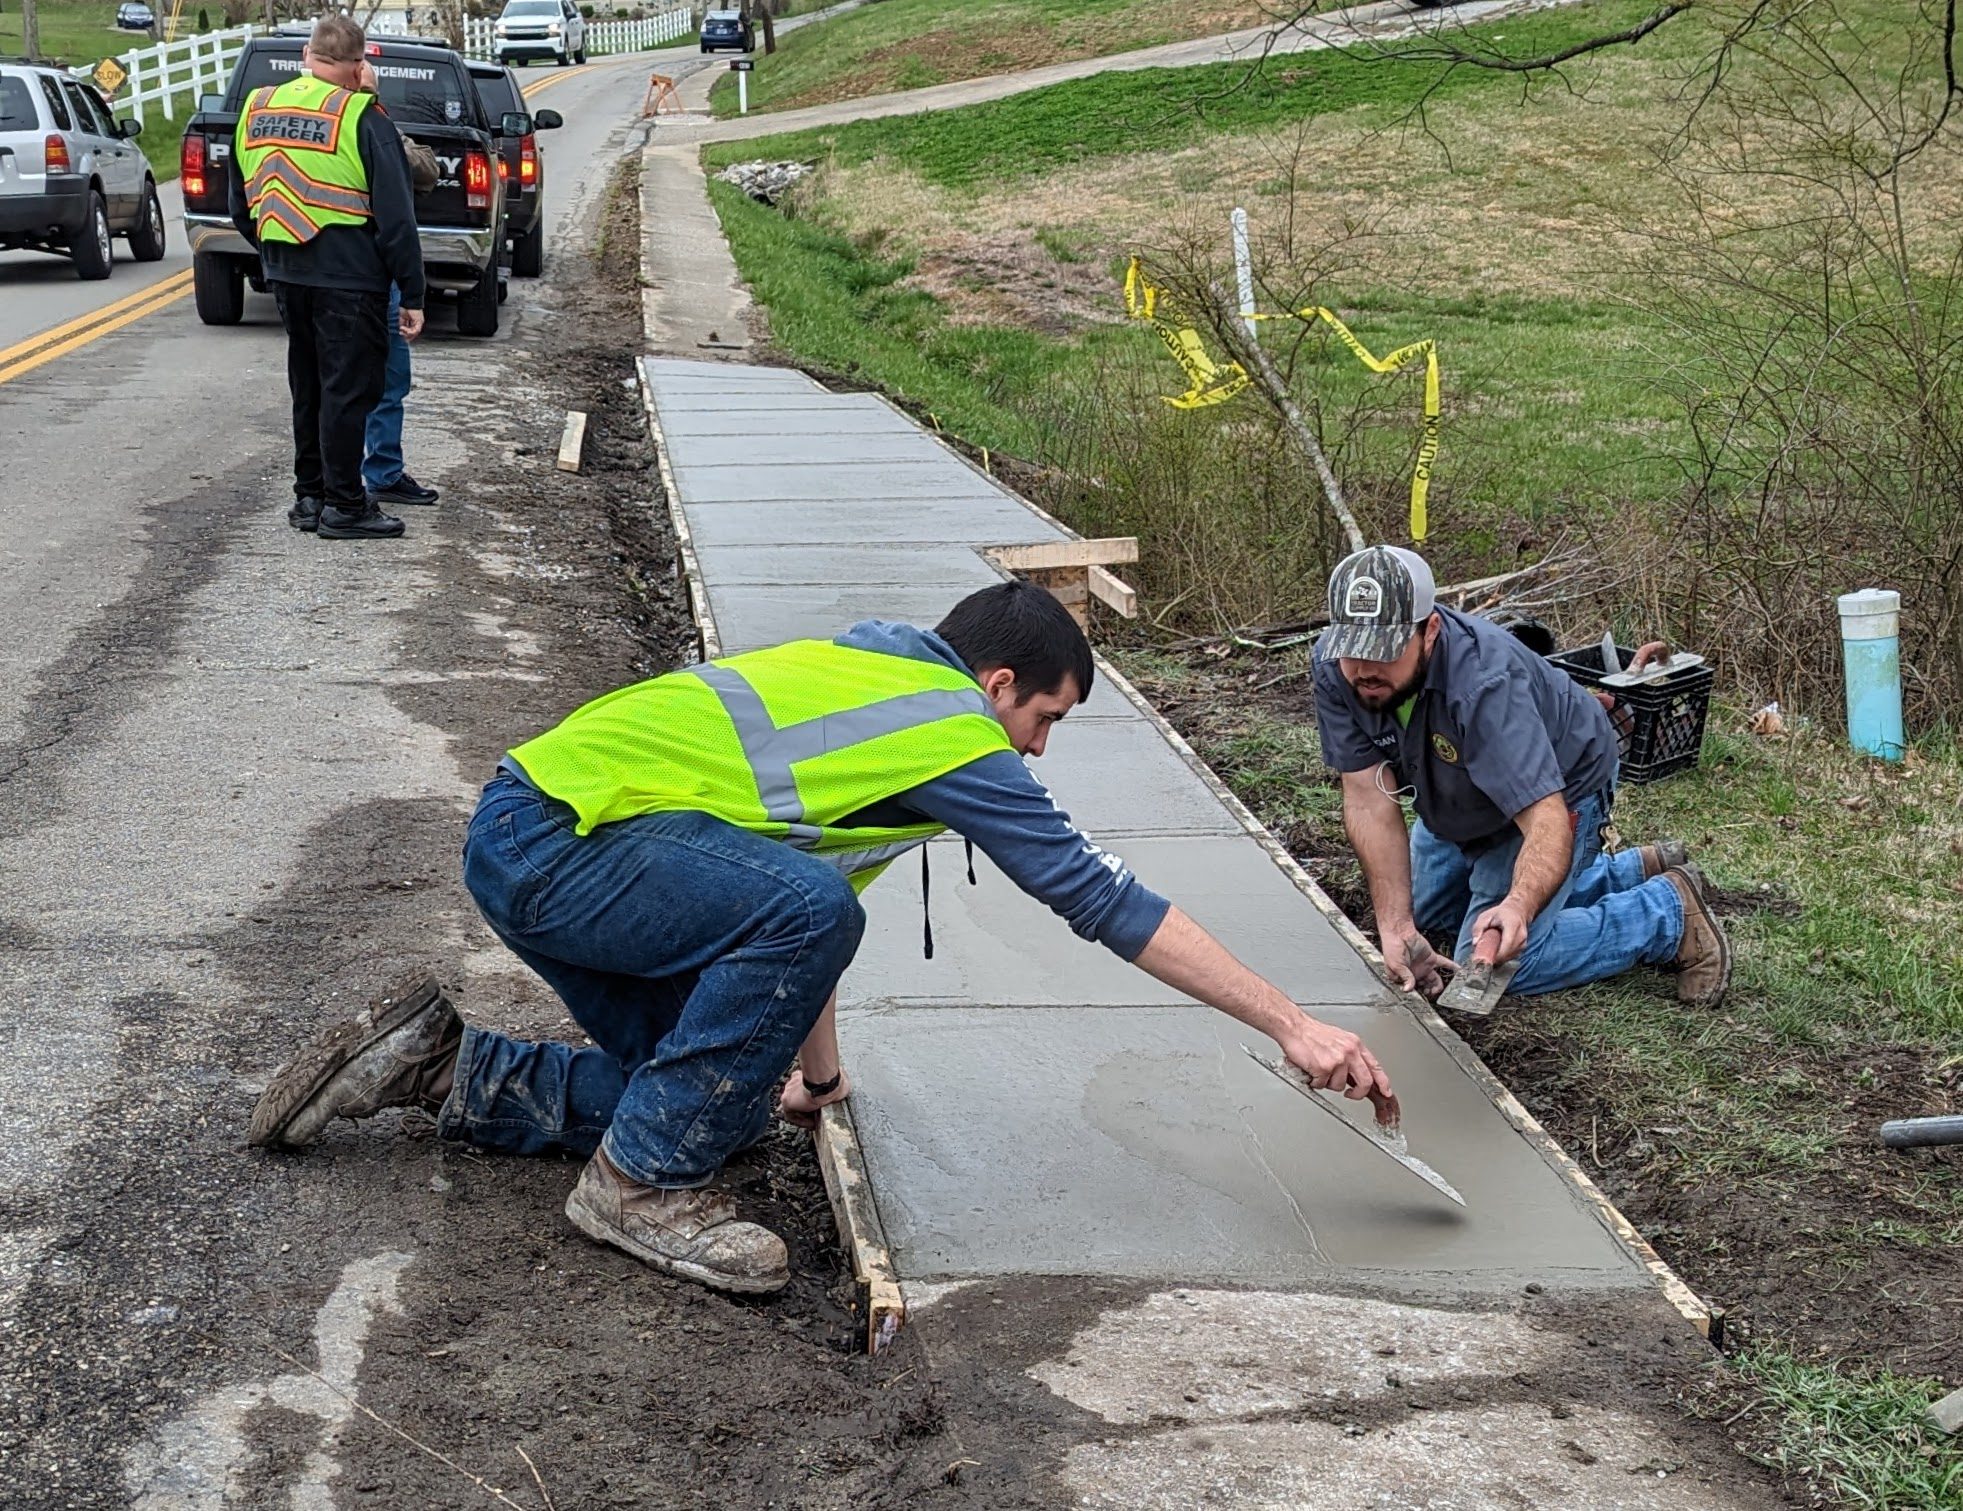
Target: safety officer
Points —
{"points": [[680, 861], [1511, 766], [320, 187]]}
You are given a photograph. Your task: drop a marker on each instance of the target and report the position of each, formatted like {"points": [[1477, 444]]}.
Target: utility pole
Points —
{"points": [[30, 32]]}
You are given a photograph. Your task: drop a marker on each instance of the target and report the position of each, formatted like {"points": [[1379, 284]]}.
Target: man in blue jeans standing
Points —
{"points": [[1512, 768], [681, 860], [382, 472]]}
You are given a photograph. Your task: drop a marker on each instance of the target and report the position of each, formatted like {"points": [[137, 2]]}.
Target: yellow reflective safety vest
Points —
{"points": [[785, 742], [300, 158]]}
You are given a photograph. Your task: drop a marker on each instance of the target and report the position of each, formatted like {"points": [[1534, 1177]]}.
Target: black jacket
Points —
{"points": [[368, 258]]}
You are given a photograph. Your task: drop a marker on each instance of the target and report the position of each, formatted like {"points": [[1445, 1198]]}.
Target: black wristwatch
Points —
{"points": [[821, 1088]]}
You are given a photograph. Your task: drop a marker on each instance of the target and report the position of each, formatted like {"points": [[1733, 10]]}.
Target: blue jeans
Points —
{"points": [[1604, 919], [694, 954], [383, 463]]}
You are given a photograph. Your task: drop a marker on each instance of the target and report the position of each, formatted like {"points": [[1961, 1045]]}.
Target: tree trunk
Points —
{"points": [[30, 32]]}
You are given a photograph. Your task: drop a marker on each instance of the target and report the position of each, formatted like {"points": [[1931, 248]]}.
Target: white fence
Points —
{"points": [[480, 34], [190, 67]]}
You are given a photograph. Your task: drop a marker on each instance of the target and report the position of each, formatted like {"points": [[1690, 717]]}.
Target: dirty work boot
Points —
{"points": [[1662, 855], [1704, 956], [391, 1054], [694, 1234], [304, 515], [367, 523]]}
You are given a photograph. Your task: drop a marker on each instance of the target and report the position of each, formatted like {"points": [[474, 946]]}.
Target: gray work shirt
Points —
{"points": [[1494, 729]]}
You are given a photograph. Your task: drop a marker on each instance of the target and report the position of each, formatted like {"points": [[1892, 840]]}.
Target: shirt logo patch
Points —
{"points": [[1447, 751], [1364, 600]]}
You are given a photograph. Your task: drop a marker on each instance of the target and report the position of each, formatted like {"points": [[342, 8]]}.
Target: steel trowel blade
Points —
{"points": [[1375, 1137]]}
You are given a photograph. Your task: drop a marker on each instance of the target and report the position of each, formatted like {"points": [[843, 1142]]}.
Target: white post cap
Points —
{"points": [[1870, 614]]}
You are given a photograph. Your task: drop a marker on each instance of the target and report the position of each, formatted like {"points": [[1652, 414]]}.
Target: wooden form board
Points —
{"points": [[573, 442], [1075, 572]]}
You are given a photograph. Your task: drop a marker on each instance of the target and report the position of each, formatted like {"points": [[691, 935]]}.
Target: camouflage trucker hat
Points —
{"points": [[1377, 599]]}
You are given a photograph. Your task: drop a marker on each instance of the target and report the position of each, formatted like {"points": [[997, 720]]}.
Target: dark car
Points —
{"points": [[520, 164], [727, 31], [429, 95], [135, 16]]}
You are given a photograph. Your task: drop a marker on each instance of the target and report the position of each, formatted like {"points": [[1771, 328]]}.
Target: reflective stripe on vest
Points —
{"points": [[300, 157], [788, 743]]}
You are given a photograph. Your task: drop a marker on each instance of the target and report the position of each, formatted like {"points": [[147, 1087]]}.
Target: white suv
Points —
{"points": [[71, 174], [540, 29]]}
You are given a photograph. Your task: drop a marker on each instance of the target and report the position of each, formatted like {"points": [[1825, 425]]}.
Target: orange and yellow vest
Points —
{"points": [[300, 159]]}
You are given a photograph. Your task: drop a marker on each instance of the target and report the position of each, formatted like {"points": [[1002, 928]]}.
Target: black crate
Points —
{"points": [[1660, 725]]}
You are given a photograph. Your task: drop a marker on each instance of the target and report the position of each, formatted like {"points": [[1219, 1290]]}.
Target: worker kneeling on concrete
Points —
{"points": [[681, 861], [1512, 766]]}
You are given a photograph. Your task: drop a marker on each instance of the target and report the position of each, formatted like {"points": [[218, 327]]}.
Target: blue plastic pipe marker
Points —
{"points": [[1871, 649]]}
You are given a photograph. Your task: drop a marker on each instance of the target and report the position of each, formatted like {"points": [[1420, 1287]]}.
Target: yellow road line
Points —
{"points": [[168, 293], [104, 312], [557, 78]]}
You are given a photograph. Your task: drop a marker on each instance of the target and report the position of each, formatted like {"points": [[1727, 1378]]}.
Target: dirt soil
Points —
{"points": [[1776, 1257]]}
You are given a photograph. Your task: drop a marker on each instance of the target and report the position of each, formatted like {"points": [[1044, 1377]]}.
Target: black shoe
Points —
{"points": [[337, 523], [304, 515], [404, 490]]}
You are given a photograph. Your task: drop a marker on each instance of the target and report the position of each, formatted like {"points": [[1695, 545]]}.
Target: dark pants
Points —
{"points": [[337, 349]]}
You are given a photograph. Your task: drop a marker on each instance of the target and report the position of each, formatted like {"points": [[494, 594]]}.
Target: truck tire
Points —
{"points": [[89, 244], [580, 56], [528, 254], [218, 289], [146, 237], [477, 309]]}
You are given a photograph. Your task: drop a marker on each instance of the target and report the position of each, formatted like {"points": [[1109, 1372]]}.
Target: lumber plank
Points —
{"points": [[1050, 555], [1113, 593], [573, 442], [843, 1164]]}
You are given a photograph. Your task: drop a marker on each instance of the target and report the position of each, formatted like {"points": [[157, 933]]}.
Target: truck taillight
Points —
{"points": [[57, 151], [527, 161], [190, 165], [477, 181]]}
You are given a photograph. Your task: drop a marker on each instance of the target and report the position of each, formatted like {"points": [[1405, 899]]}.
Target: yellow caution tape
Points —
{"points": [[1210, 382]]}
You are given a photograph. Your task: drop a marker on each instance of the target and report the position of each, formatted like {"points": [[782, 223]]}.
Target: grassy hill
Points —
{"points": [[909, 44]]}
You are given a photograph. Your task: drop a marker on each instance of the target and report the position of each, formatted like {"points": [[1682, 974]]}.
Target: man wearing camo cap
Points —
{"points": [[1511, 766]]}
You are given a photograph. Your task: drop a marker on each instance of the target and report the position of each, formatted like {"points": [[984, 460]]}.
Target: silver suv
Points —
{"points": [[71, 174]]}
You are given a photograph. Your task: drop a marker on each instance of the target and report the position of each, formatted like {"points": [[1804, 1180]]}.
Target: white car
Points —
{"points": [[540, 29]]}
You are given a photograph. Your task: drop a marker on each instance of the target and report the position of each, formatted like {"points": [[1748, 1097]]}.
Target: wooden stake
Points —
{"points": [[573, 441]]}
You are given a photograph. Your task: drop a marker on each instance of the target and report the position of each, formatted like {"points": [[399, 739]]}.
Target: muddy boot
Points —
{"points": [[1704, 956], [694, 1234], [1662, 856], [368, 523], [397, 1052], [304, 515]]}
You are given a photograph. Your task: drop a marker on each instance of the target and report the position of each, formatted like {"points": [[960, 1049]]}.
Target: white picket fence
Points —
{"points": [[480, 34], [189, 67]]}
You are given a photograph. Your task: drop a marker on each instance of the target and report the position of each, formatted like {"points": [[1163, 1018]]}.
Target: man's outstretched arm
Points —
{"points": [[1188, 959]]}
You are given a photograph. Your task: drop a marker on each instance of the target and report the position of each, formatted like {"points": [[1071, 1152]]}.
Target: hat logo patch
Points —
{"points": [[1364, 600]]}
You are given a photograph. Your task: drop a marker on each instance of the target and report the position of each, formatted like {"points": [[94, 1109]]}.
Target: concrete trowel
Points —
{"points": [[1478, 987], [1383, 1135]]}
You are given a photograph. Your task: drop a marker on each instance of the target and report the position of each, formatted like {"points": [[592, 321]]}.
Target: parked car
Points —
{"points": [[727, 31], [539, 29], [520, 164], [135, 16], [427, 90], [71, 174]]}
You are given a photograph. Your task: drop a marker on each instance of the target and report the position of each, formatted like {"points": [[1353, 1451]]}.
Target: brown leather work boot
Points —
{"points": [[695, 1234], [1662, 855], [1704, 956], [390, 1054]]}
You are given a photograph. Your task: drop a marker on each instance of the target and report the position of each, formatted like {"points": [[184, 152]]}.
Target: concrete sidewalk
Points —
{"points": [[1029, 1106]]}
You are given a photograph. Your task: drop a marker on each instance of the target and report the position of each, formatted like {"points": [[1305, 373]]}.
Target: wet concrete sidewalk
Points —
{"points": [[1028, 1103]]}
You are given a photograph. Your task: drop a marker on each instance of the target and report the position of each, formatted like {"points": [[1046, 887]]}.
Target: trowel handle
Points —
{"points": [[1389, 1114], [1486, 948]]}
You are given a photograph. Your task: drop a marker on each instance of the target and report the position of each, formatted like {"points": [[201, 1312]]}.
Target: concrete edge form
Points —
{"points": [[1708, 1321], [840, 1154], [842, 1162]]}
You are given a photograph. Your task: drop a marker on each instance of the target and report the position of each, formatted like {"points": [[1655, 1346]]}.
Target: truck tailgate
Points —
{"points": [[448, 203]]}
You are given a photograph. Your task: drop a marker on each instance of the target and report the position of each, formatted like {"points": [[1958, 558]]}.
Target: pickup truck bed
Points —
{"points": [[429, 95]]}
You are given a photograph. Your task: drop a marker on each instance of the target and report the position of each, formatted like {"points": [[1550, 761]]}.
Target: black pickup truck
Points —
{"points": [[429, 95]]}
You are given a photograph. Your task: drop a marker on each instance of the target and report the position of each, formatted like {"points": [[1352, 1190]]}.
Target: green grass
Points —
{"points": [[1115, 114], [1863, 1437], [76, 33], [908, 44]]}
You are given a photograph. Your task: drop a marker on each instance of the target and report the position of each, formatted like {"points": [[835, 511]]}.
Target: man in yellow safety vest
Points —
{"points": [[680, 860], [320, 187]]}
